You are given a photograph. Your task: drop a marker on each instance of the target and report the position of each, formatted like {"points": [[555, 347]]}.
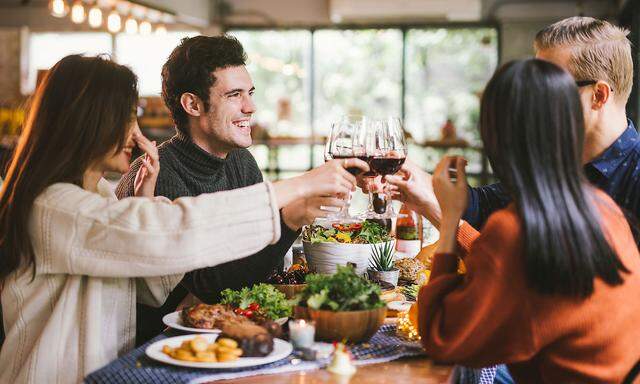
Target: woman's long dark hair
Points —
{"points": [[532, 127], [79, 114]]}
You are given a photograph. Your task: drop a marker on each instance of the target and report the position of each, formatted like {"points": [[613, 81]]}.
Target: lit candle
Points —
{"points": [[301, 333]]}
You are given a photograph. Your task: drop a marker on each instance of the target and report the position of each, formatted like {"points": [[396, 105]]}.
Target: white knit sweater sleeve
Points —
{"points": [[154, 290], [83, 233]]}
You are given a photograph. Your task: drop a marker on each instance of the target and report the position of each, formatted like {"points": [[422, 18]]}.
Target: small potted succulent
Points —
{"points": [[381, 264]]}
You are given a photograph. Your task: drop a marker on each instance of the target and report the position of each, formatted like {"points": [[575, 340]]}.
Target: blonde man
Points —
{"points": [[598, 55]]}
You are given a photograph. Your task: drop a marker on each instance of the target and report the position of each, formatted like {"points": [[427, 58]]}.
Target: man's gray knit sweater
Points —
{"points": [[188, 170]]}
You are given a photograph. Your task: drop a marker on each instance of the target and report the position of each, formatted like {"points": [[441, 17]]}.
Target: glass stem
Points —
{"points": [[344, 212]]}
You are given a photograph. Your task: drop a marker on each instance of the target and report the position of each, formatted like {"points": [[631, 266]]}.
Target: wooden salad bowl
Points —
{"points": [[290, 290], [350, 326]]}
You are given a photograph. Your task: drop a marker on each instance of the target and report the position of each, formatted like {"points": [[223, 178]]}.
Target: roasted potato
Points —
{"points": [[199, 350]]}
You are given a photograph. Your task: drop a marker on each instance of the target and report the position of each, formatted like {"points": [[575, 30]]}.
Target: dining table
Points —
{"points": [[415, 370], [386, 358]]}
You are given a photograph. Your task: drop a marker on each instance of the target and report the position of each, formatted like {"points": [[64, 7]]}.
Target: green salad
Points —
{"points": [[342, 291], [271, 302], [367, 232]]}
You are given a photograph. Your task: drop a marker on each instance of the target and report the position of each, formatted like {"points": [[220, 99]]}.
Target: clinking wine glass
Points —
{"points": [[365, 145], [389, 155], [340, 145]]}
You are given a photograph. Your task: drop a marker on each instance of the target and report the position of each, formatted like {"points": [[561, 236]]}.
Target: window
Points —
{"points": [[347, 62], [446, 72], [145, 55], [278, 62], [46, 49]]}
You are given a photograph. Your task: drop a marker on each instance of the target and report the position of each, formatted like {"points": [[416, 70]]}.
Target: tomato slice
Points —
{"points": [[337, 226], [347, 227]]}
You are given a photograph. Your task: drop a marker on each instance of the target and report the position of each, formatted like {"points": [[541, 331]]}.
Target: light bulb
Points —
{"points": [[145, 28], [114, 22], [131, 25], [95, 17], [77, 12], [58, 8], [161, 30]]}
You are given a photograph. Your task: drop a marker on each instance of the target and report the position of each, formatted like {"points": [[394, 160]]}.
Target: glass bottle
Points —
{"points": [[408, 232]]}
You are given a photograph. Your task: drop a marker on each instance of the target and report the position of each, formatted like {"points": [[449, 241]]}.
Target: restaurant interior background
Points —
{"points": [[311, 61]]}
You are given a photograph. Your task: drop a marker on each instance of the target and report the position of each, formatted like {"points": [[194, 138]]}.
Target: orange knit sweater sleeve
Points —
{"points": [[481, 318]]}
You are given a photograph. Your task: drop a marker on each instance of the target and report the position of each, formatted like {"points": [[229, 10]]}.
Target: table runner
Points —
{"points": [[136, 367]]}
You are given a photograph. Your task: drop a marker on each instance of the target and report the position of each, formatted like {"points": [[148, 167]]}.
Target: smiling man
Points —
{"points": [[209, 92]]}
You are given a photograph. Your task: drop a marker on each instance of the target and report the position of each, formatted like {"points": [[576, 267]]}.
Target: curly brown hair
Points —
{"points": [[190, 69]]}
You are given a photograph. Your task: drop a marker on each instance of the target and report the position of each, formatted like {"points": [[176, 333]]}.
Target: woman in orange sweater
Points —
{"points": [[553, 280]]}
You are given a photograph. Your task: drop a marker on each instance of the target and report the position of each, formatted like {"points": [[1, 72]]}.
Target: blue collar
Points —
{"points": [[613, 156]]}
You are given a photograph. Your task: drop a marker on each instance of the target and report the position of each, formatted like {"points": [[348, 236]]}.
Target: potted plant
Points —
{"points": [[341, 244], [344, 306], [381, 264]]}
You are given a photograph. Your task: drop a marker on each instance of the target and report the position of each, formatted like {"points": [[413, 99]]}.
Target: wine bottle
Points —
{"points": [[408, 232]]}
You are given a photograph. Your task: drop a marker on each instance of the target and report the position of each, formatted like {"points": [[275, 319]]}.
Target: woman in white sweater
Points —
{"points": [[75, 259]]}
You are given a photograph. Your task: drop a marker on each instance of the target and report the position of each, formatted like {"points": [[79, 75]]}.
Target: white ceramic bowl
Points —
{"points": [[324, 257]]}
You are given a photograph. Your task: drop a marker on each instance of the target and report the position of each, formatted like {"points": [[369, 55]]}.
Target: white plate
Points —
{"points": [[174, 320], [281, 349], [400, 306]]}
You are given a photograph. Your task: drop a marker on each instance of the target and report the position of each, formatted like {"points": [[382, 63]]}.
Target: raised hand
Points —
{"points": [[369, 184], [413, 186], [332, 178], [328, 180], [452, 195], [147, 176], [305, 211]]}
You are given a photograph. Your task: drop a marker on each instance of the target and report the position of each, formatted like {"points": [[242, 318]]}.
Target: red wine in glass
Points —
{"points": [[367, 159], [379, 203], [352, 170], [386, 165]]}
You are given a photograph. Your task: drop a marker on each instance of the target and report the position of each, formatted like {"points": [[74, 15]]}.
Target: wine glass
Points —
{"points": [[340, 145], [333, 215], [366, 148], [389, 155], [345, 133]]}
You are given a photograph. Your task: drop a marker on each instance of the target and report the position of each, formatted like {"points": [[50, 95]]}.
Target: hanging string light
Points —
{"points": [[145, 28], [131, 25], [161, 30], [95, 16], [58, 8], [77, 12], [114, 22]]}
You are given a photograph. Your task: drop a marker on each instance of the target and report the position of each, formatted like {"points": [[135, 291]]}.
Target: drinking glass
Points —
{"points": [[340, 145], [389, 155], [365, 144]]}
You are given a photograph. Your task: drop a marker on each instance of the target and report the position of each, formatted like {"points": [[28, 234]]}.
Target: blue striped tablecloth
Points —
{"points": [[136, 367]]}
